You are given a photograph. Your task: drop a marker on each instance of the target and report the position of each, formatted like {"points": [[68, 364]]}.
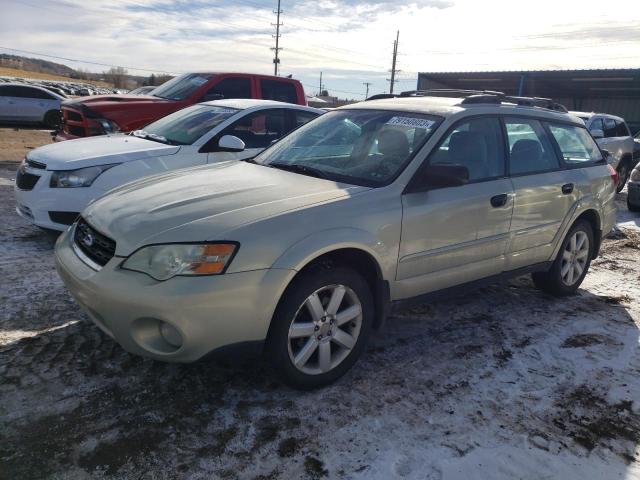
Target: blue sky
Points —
{"points": [[349, 41]]}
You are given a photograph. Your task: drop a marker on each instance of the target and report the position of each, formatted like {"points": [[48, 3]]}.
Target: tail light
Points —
{"points": [[614, 175]]}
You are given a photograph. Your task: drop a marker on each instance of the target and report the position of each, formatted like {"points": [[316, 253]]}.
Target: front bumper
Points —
{"points": [[633, 193], [36, 204], [209, 312]]}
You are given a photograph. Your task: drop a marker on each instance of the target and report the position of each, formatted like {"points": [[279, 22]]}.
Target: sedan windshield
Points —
{"points": [[361, 147], [182, 87], [186, 126]]}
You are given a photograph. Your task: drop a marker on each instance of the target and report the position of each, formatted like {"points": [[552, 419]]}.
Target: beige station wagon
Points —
{"points": [[303, 249]]}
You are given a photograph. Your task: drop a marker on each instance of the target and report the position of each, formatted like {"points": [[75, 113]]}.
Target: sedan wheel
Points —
{"points": [[325, 329]]}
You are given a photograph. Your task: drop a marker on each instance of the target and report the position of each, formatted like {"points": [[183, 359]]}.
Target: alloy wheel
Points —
{"points": [[325, 329], [574, 258]]}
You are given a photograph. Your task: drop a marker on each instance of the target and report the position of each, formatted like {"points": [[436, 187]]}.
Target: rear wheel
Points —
{"points": [[623, 175], [572, 263], [52, 119], [320, 327]]}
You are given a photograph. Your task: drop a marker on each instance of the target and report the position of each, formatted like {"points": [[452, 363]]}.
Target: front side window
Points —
{"points": [[361, 147], [186, 126], [279, 91], [597, 125], [475, 144], [182, 87], [232, 87], [260, 129], [609, 127], [575, 143], [303, 117], [529, 148]]}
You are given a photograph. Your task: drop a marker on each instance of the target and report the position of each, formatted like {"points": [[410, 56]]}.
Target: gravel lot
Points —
{"points": [[501, 383]]}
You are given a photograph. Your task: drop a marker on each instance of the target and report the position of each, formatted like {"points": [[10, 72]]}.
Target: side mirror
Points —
{"points": [[212, 96], [597, 133], [443, 176], [229, 143]]}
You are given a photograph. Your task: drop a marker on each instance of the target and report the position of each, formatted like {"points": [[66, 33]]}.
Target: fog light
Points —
{"points": [[170, 334]]}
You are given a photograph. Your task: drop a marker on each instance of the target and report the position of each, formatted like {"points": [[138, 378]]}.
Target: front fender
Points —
{"points": [[313, 246]]}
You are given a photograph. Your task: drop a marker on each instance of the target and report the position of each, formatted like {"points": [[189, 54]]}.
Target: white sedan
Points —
{"points": [[29, 104], [56, 182]]}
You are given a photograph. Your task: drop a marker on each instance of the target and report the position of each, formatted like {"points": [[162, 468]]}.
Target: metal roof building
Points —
{"points": [[615, 91]]}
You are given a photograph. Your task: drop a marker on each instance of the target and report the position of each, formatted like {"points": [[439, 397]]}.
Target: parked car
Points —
{"points": [[305, 248], [636, 148], [97, 115], [57, 181], [613, 135], [633, 190], [22, 103], [142, 90]]}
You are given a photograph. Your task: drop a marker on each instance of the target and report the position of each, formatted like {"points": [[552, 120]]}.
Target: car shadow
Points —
{"points": [[500, 363]]}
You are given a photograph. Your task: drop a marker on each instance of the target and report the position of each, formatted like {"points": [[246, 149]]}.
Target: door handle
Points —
{"points": [[499, 200], [567, 188]]}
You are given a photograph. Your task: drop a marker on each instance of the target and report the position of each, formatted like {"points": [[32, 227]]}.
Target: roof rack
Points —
{"points": [[478, 96]]}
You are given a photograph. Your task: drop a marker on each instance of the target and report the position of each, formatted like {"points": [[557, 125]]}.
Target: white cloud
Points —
{"points": [[350, 41]]}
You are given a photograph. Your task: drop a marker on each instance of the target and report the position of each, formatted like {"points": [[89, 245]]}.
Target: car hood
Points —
{"points": [[97, 101], [102, 150], [204, 203]]}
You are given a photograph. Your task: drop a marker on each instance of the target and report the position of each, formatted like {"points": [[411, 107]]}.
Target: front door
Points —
{"points": [[459, 234]]}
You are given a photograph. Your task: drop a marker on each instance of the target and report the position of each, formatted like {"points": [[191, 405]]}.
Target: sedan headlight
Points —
{"points": [[635, 175], [165, 261], [83, 177]]}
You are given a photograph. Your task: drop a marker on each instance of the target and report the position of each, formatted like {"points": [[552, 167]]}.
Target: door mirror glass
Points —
{"points": [[229, 143], [597, 133], [444, 175]]}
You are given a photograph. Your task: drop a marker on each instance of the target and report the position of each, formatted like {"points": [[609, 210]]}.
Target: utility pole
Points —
{"points": [[393, 63], [366, 95], [276, 60], [320, 86]]}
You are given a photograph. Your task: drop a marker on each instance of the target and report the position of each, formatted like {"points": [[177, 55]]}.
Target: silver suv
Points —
{"points": [[304, 249], [612, 134]]}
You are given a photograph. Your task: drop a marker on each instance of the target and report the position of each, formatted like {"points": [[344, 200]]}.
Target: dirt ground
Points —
{"points": [[16, 142], [501, 383]]}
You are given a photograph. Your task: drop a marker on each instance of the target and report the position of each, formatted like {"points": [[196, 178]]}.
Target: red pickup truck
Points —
{"points": [[101, 114]]}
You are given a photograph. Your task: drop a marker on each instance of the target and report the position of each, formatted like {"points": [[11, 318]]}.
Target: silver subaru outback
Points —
{"points": [[303, 249]]}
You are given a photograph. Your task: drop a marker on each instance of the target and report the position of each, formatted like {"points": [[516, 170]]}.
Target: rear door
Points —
{"points": [[459, 234], [9, 103], [546, 193]]}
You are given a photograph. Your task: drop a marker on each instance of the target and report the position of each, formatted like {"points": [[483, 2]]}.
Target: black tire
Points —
{"points": [[551, 281], [624, 170], [52, 119], [632, 208], [277, 348]]}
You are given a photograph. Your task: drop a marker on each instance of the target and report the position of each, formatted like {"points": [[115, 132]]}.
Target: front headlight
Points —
{"points": [[635, 175], [165, 261], [83, 177]]}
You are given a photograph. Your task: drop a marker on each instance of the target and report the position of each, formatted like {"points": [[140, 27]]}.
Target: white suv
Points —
{"points": [[612, 135]]}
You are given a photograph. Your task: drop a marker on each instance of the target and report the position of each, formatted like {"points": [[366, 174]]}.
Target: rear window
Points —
{"points": [[575, 143]]}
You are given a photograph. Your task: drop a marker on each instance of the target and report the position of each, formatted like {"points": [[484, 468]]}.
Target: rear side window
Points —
{"points": [[621, 129], [575, 143], [529, 148], [610, 127], [232, 87], [303, 117], [279, 91], [475, 144]]}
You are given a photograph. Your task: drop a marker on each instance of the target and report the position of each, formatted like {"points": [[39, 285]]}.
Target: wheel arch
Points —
{"points": [[592, 216]]}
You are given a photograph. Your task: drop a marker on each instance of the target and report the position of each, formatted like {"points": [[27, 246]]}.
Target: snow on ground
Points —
{"points": [[500, 383]]}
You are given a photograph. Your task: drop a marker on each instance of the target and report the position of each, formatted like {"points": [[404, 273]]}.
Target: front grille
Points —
{"points": [[65, 218], [34, 164], [74, 116], [26, 181], [93, 244]]}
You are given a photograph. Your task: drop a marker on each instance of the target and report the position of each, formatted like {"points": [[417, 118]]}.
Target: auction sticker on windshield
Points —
{"points": [[411, 122]]}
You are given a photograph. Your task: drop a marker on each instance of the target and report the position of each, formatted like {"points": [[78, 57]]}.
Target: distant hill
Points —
{"points": [[36, 65]]}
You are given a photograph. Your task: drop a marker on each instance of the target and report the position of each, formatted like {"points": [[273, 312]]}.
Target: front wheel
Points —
{"points": [[623, 176], [320, 327], [572, 263], [52, 119]]}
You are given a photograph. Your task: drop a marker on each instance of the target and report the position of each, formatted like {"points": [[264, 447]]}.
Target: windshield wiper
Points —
{"points": [[302, 169], [152, 136]]}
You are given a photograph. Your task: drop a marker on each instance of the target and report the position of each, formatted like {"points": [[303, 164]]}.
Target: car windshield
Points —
{"points": [[183, 86], [361, 147], [186, 126]]}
